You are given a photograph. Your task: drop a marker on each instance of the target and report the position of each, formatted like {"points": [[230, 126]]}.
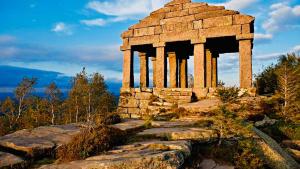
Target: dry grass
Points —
{"points": [[90, 142]]}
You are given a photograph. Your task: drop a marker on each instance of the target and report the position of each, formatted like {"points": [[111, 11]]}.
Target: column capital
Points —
{"points": [[123, 48], [141, 54], [249, 36], [153, 58], [171, 53], [159, 44], [199, 40]]}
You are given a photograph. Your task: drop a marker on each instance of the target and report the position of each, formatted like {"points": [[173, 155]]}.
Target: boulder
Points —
{"points": [[265, 122], [8, 160], [40, 141]]}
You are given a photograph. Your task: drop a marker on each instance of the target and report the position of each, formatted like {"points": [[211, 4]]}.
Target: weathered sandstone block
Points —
{"points": [[144, 31], [144, 40], [221, 31], [217, 21], [177, 13], [202, 8], [198, 24], [211, 14], [242, 19]]}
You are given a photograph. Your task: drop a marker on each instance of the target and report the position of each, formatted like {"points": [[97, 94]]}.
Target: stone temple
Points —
{"points": [[170, 36]]}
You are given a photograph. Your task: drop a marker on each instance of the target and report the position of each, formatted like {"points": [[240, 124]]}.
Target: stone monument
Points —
{"points": [[171, 35]]}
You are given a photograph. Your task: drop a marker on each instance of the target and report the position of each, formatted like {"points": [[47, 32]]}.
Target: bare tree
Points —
{"points": [[24, 89], [53, 94]]}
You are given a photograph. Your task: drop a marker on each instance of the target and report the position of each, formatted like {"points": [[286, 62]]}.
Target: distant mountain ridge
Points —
{"points": [[11, 76]]}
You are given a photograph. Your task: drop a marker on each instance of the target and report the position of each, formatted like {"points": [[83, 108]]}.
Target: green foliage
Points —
{"points": [[89, 101], [283, 131], [247, 156], [89, 142], [267, 81], [228, 95]]}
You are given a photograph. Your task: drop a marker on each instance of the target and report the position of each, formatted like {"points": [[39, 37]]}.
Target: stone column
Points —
{"points": [[199, 65], [144, 70], [245, 50], [183, 72], [161, 66], [173, 69], [128, 78], [208, 60], [153, 59], [215, 69]]}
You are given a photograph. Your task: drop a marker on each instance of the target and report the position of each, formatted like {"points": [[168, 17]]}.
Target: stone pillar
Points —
{"points": [[153, 59], [183, 72], [215, 70], [208, 60], [128, 78], [161, 66], [199, 65], [173, 69], [144, 70], [245, 50]]}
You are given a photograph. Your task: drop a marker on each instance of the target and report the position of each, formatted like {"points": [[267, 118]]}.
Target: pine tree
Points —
{"points": [[289, 84]]}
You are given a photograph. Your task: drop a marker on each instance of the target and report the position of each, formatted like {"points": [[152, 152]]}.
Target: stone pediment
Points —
{"points": [[181, 20]]}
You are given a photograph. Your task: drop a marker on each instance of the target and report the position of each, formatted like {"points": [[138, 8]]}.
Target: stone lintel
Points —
{"points": [[159, 44], [248, 36], [200, 40]]}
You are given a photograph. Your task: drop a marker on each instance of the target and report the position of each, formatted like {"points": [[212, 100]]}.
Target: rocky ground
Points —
{"points": [[160, 144]]}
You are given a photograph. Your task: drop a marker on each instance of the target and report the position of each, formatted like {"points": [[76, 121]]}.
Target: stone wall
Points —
{"points": [[151, 101]]}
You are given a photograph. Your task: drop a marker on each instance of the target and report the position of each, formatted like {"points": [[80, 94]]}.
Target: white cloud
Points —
{"points": [[281, 17], [296, 10], [260, 36], [7, 38], [237, 4], [296, 48], [61, 27], [94, 22], [125, 9]]}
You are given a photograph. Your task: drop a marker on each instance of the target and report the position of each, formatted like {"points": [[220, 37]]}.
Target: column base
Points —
{"points": [[200, 92]]}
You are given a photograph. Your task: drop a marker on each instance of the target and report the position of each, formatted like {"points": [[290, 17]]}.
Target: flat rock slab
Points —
{"points": [[170, 124], [206, 105], [130, 124], [211, 164], [142, 155], [182, 133], [41, 140], [8, 160]]}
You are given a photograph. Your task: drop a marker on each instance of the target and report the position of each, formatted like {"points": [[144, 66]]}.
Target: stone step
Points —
{"points": [[182, 133]]}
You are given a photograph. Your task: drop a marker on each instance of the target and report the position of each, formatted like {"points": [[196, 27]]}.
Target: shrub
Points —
{"points": [[90, 141], [112, 119], [228, 95], [247, 156]]}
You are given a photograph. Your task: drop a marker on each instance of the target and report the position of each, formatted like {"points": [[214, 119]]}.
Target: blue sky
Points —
{"points": [[66, 35]]}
